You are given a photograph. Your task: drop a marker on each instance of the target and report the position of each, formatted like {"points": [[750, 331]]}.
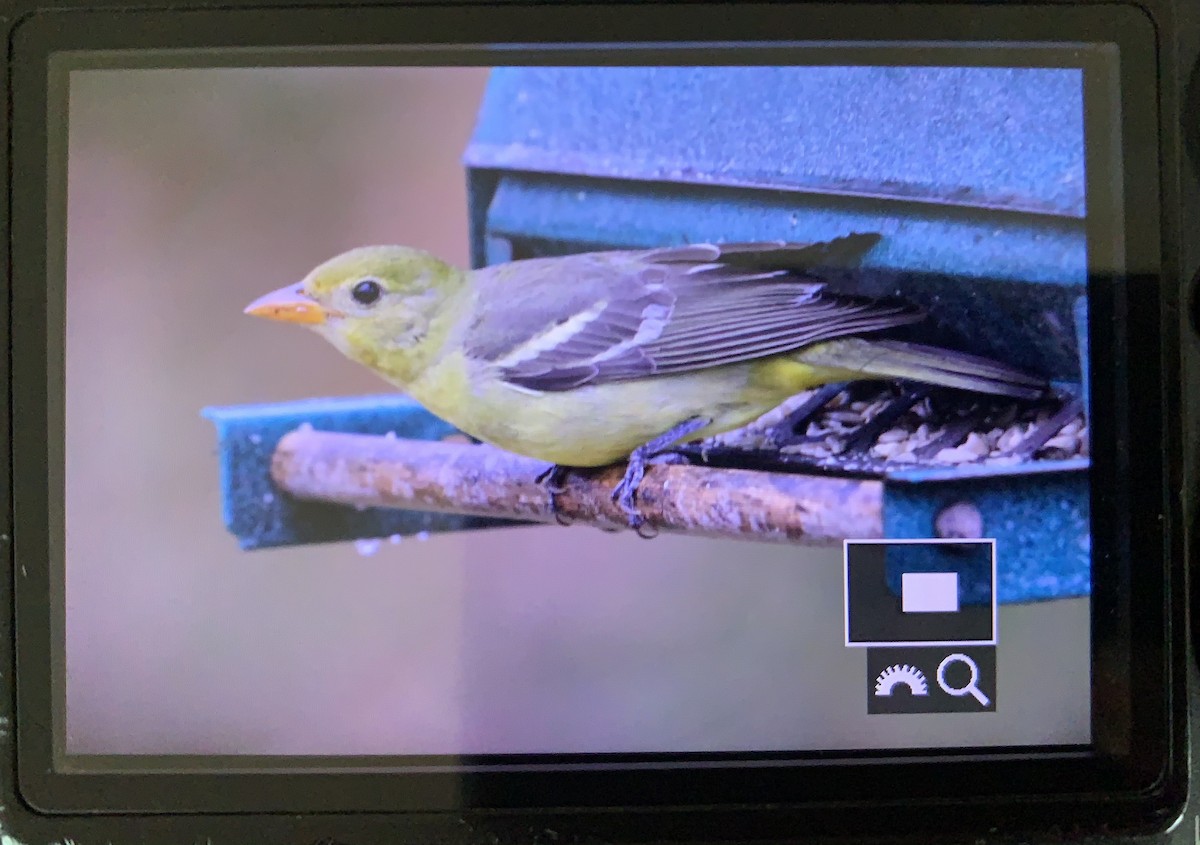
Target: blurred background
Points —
{"points": [[191, 192]]}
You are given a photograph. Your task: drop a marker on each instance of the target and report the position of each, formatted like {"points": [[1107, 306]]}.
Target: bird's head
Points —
{"points": [[368, 302]]}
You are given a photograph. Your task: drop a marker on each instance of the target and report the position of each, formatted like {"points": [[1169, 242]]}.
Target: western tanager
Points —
{"points": [[588, 359]]}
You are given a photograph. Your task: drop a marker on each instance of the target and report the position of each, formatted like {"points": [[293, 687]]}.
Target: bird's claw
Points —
{"points": [[627, 500], [554, 479], [625, 493]]}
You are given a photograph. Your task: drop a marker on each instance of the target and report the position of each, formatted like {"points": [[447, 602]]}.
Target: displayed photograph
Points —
{"points": [[559, 410]]}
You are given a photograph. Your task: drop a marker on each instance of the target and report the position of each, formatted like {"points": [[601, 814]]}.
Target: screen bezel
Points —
{"points": [[1151, 690]]}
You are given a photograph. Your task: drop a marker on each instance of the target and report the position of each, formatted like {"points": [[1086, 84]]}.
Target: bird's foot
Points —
{"points": [[625, 493]]}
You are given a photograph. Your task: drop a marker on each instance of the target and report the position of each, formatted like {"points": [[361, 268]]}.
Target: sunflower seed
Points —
{"points": [[976, 444], [1066, 442], [886, 449], [875, 407], [1002, 460], [958, 455], [811, 450], [924, 435], [1010, 438]]}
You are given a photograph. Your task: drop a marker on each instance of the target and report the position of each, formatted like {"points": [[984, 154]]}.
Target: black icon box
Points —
{"points": [[912, 593]]}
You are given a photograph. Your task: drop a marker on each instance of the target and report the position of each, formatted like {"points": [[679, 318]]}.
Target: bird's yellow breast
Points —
{"points": [[597, 425]]}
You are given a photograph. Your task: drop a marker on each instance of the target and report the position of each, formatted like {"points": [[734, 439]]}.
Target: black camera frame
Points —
{"points": [[1155, 338]]}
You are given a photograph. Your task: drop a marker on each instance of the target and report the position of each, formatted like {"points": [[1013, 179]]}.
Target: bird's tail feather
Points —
{"points": [[927, 364]]}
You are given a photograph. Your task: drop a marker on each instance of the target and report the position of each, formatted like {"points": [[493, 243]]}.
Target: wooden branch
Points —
{"points": [[480, 480]]}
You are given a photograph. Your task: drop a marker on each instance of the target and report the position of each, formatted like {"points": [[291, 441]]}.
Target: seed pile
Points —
{"points": [[875, 427]]}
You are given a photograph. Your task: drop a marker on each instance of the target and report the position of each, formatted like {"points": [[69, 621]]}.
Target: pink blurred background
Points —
{"points": [[192, 192]]}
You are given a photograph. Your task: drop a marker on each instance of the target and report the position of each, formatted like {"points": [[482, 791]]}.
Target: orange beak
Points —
{"points": [[290, 304]]}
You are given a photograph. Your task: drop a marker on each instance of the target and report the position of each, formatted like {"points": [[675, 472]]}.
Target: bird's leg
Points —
{"points": [[625, 493]]}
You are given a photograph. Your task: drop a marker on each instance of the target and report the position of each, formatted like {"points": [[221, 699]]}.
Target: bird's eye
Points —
{"points": [[367, 292]]}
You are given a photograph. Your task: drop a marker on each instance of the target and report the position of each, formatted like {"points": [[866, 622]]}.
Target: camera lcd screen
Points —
{"points": [[452, 410], [955, 466]]}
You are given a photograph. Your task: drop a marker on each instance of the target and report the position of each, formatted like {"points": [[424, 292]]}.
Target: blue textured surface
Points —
{"points": [[996, 137], [916, 238], [1039, 520], [260, 516]]}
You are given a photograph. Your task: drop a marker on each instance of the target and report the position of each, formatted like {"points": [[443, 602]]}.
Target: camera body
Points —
{"points": [[1133, 354]]}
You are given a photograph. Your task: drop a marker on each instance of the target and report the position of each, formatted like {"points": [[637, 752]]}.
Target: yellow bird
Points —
{"points": [[589, 359]]}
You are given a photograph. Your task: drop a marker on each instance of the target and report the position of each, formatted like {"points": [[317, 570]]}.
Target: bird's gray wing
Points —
{"points": [[561, 323]]}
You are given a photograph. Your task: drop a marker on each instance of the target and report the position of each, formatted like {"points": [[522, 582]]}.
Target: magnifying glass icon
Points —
{"points": [[971, 687]]}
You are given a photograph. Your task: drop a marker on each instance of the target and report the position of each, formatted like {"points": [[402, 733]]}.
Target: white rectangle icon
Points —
{"points": [[929, 592], [849, 544]]}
